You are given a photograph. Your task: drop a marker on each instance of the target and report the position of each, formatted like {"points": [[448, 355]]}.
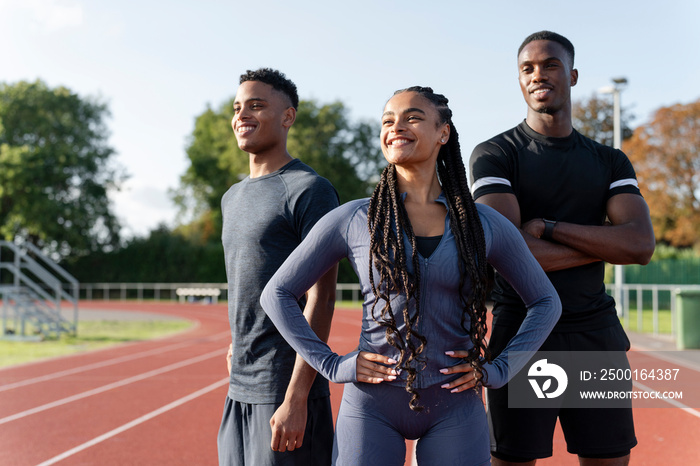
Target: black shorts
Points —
{"points": [[527, 433]]}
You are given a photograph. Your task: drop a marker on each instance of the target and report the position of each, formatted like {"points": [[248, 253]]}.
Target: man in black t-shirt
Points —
{"points": [[578, 205]]}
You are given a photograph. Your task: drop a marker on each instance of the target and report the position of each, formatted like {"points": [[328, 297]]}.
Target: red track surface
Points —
{"points": [[159, 402]]}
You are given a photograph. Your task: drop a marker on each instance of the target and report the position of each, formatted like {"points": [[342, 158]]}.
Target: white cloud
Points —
{"points": [[141, 208], [45, 15]]}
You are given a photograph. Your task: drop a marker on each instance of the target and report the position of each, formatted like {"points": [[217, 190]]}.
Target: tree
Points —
{"points": [[348, 155], [345, 153], [164, 256], [216, 163], [594, 118], [666, 155], [54, 170]]}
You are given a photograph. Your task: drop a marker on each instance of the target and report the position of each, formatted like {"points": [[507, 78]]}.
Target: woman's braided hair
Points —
{"points": [[388, 222]]}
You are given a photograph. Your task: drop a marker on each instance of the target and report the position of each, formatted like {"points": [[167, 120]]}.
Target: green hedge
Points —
{"points": [[665, 271]]}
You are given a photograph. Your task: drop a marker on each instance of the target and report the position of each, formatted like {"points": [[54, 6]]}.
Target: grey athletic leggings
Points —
{"points": [[374, 421]]}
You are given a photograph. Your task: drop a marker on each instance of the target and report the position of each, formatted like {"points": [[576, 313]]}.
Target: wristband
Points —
{"points": [[548, 229]]}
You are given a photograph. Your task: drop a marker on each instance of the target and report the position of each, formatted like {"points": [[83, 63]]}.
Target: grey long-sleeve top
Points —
{"points": [[343, 233]]}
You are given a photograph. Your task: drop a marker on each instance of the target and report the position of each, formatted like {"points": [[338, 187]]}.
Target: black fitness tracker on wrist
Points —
{"points": [[548, 228]]}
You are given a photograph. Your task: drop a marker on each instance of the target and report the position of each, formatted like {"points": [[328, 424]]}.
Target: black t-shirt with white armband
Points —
{"points": [[566, 179]]}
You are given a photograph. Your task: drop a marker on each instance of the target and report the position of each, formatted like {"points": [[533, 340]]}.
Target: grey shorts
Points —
{"points": [[245, 436]]}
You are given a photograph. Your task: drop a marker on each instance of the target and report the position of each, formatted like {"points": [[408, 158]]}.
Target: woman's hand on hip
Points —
{"points": [[373, 368], [470, 378]]}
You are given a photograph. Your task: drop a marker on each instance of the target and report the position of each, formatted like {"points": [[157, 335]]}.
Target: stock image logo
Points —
{"points": [[541, 374], [600, 379]]}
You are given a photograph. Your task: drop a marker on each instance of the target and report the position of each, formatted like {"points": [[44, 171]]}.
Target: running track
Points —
{"points": [[159, 402]]}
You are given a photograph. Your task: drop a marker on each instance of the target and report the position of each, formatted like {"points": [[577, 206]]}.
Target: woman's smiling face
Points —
{"points": [[411, 130]]}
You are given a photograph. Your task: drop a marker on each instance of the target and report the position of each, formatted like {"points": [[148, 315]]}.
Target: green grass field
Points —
{"points": [[348, 304], [99, 334], [648, 323], [91, 335]]}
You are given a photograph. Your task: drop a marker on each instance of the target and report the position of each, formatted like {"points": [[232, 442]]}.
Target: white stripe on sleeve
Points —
{"points": [[624, 182], [488, 180]]}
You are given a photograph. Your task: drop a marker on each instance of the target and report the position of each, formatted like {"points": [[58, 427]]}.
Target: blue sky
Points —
{"points": [[158, 64]]}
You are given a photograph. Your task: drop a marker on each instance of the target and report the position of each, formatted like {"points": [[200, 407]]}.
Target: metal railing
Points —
{"points": [[639, 299], [168, 291], [637, 296], [141, 291]]}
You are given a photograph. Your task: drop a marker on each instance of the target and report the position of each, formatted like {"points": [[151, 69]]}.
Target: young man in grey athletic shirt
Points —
{"points": [[277, 411]]}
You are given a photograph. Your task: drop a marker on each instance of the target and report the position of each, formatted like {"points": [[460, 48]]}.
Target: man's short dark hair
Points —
{"points": [[553, 36], [276, 79]]}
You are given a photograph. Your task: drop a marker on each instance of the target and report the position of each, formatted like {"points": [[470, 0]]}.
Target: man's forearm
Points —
{"points": [[627, 239], [551, 256], [554, 256], [303, 377], [617, 244]]}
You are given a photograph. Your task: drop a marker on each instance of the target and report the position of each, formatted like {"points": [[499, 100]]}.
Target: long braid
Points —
{"points": [[388, 221], [410, 285], [469, 236]]}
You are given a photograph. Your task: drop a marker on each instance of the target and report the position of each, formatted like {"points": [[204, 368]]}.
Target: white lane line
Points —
{"points": [[120, 383], [135, 422], [108, 362], [670, 401], [658, 354], [661, 355]]}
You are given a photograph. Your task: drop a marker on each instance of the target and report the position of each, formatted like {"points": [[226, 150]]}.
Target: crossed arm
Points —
{"points": [[628, 238]]}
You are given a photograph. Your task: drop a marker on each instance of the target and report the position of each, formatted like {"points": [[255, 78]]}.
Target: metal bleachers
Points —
{"points": [[34, 292]]}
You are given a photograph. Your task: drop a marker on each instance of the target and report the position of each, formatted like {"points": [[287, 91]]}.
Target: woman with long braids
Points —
{"points": [[420, 247]]}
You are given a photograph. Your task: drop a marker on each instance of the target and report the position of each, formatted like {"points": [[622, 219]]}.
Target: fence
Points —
{"points": [[168, 291], [636, 298], [644, 307], [678, 271], [141, 291]]}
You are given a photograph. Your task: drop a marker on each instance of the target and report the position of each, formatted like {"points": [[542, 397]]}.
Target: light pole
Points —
{"points": [[615, 90]]}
